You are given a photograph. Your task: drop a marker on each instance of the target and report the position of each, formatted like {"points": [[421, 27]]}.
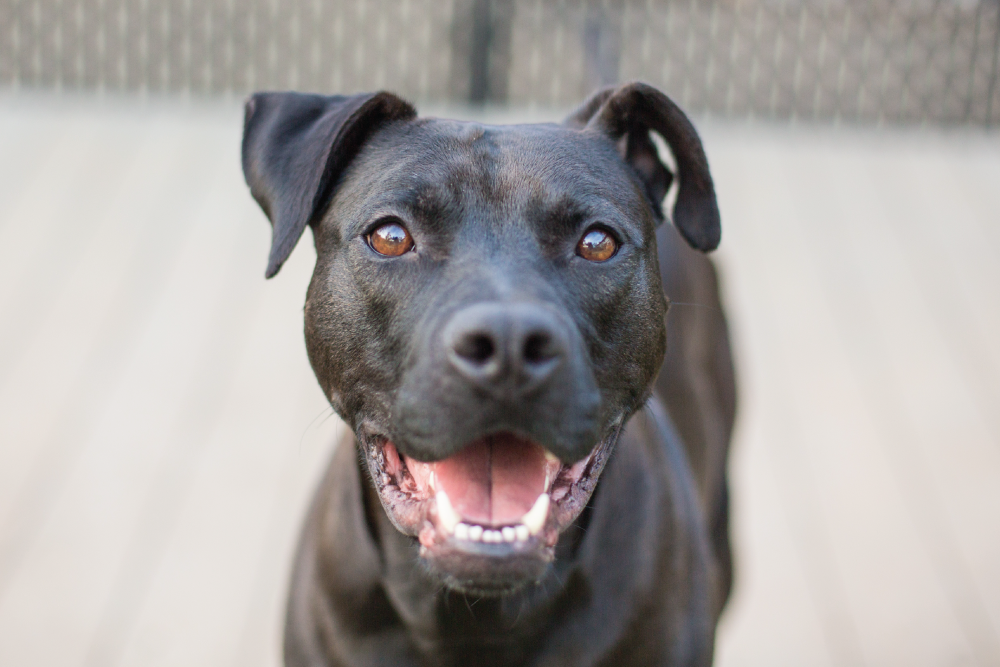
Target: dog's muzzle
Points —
{"points": [[495, 445]]}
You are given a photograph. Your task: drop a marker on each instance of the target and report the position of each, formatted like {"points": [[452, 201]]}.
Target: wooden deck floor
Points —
{"points": [[160, 428]]}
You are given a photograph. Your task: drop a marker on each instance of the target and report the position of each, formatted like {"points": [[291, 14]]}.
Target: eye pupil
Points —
{"points": [[390, 239], [597, 245]]}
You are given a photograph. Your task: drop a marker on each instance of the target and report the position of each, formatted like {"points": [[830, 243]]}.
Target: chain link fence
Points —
{"points": [[868, 61]]}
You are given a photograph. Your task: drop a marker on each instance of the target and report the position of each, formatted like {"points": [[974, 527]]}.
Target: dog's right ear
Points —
{"points": [[296, 146]]}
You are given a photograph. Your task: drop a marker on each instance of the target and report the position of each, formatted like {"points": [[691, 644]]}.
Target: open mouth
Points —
{"points": [[500, 496]]}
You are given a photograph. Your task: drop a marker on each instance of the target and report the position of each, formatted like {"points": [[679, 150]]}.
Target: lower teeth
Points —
{"points": [[465, 532]]}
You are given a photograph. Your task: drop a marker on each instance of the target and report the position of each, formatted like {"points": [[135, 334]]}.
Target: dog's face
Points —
{"points": [[486, 309], [485, 312]]}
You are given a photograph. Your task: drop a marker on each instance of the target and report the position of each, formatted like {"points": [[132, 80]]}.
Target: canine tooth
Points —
{"points": [[475, 533], [508, 534], [522, 533], [446, 513], [432, 481], [535, 517], [462, 531], [549, 456]]}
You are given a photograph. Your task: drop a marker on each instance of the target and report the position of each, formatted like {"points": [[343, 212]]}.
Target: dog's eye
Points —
{"points": [[390, 239], [597, 245]]}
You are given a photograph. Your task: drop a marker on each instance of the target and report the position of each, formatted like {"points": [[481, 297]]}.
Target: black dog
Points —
{"points": [[532, 479]]}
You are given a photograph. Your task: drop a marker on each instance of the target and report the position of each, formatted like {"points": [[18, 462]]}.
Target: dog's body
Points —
{"points": [[458, 333]]}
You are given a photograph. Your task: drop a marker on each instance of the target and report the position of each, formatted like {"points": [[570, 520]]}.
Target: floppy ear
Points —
{"points": [[625, 114], [296, 146]]}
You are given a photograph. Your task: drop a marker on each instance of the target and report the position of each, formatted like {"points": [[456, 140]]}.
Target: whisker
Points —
{"points": [[312, 423]]}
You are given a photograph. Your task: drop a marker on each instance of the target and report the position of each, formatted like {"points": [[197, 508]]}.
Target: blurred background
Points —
{"points": [[160, 428]]}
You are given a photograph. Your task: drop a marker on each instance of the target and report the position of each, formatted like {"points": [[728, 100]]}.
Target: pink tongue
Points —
{"points": [[495, 480]]}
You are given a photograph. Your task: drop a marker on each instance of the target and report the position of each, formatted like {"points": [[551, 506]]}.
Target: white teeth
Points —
{"points": [[474, 533], [462, 531], [549, 456], [432, 481], [535, 518], [446, 513]]}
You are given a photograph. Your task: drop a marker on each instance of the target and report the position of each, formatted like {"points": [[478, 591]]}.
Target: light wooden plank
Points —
{"points": [[774, 616], [259, 640], [949, 261], [222, 328], [772, 619], [866, 517], [977, 174], [115, 444], [50, 335], [227, 529], [898, 359], [34, 225], [59, 375], [754, 231], [28, 146]]}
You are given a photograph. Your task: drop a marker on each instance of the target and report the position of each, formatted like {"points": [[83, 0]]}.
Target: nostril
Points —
{"points": [[538, 348], [505, 348], [478, 348]]}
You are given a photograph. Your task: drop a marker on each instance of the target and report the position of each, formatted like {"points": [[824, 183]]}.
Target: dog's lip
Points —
{"points": [[427, 513]]}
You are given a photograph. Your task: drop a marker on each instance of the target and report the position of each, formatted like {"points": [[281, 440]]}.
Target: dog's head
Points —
{"points": [[486, 310]]}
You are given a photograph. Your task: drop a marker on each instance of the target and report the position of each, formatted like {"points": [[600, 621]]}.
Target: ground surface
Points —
{"points": [[160, 429]]}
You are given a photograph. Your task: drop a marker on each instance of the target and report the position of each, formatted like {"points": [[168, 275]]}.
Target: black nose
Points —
{"points": [[511, 348]]}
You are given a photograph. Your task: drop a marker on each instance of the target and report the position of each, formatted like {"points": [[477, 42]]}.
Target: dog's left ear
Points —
{"points": [[296, 146], [626, 114]]}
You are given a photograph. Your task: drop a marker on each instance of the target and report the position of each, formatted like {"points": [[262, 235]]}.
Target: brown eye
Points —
{"points": [[597, 245], [390, 239]]}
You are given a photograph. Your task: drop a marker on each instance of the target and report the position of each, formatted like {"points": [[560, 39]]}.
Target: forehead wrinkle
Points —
{"points": [[474, 175]]}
